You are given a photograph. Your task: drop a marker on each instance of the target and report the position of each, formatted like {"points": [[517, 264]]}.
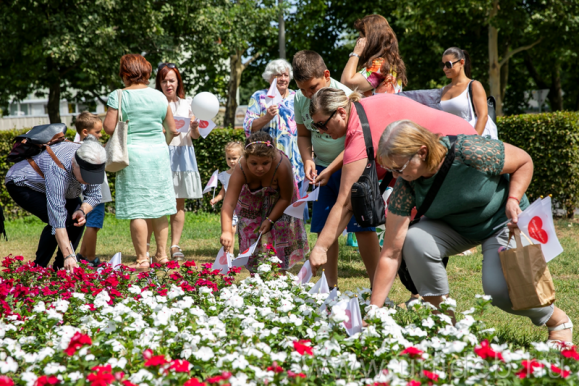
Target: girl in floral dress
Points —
{"points": [[261, 187]]}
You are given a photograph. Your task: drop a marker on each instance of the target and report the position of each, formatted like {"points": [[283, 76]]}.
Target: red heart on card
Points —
{"points": [[179, 123], [348, 324], [223, 259], [297, 203], [536, 230], [203, 124], [244, 252]]}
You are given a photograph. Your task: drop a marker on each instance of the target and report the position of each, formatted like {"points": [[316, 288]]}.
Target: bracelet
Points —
{"points": [[79, 209], [71, 255], [270, 220], [354, 54], [514, 198]]}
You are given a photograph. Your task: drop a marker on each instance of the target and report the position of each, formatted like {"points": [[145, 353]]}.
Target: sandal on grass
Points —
{"points": [[161, 260], [177, 255], [557, 344], [141, 265]]}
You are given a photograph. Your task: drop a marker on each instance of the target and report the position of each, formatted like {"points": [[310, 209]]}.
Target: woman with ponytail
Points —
{"points": [[456, 98]]}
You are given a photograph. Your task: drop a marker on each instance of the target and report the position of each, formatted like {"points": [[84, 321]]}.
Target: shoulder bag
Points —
{"points": [[117, 153], [366, 194]]}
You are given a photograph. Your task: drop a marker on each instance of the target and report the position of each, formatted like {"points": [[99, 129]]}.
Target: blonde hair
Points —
{"points": [[405, 138], [234, 145], [327, 100]]}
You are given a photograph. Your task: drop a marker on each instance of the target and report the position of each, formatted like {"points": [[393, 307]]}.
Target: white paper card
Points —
{"points": [[212, 182], [297, 208], [305, 274], [116, 261], [182, 124], [537, 222], [205, 127], [321, 287], [222, 261]]}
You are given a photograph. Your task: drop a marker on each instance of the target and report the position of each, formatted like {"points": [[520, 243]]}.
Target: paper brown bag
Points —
{"points": [[528, 278]]}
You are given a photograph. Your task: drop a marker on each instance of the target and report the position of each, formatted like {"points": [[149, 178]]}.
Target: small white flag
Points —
{"points": [[182, 124], [249, 251], [273, 95], [537, 222], [240, 261], [352, 310], [116, 261], [297, 208], [305, 274], [321, 287], [212, 184], [222, 261], [205, 127], [333, 295]]}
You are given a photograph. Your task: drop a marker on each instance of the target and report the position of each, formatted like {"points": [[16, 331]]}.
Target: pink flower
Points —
{"points": [[46, 380], [194, 382], [6, 381], [78, 340], [432, 376], [486, 352], [561, 372]]}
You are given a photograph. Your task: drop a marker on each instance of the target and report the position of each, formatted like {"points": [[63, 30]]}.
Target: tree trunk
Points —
{"points": [[54, 103], [504, 75], [236, 68], [494, 66], [555, 94], [281, 32]]}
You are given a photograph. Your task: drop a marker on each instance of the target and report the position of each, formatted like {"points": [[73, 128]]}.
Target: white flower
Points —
{"points": [[451, 303], [338, 315], [484, 297], [468, 312], [54, 368], [279, 357], [78, 295], [140, 376], [102, 299], [175, 292], [264, 268], [134, 289], [39, 307], [274, 259], [541, 346], [45, 352], [428, 322], [204, 354], [235, 301], [75, 376], [8, 366], [52, 314], [118, 363], [29, 377], [240, 362]]}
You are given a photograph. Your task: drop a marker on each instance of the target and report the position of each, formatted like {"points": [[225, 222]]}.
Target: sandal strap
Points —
{"points": [[564, 326], [175, 246]]}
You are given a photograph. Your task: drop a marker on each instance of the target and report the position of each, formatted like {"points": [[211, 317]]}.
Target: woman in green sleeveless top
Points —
{"points": [[475, 199]]}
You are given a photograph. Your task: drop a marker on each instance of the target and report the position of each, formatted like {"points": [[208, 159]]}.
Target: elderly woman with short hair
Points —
{"points": [[277, 120]]}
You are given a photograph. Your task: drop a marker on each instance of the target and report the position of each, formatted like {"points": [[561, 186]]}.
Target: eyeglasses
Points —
{"points": [[448, 64], [322, 126], [399, 171], [170, 65]]}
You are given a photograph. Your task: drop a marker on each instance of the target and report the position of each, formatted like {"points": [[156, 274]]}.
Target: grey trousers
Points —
{"points": [[428, 241]]}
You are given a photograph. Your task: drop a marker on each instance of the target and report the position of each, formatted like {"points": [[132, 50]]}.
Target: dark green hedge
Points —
{"points": [[209, 152], [552, 140]]}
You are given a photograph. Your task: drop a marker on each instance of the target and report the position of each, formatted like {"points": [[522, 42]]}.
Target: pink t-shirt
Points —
{"points": [[383, 109]]}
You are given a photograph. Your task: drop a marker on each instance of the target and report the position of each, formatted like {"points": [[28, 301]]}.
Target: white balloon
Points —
{"points": [[205, 106]]}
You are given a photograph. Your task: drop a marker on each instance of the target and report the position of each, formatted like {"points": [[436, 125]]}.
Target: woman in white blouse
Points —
{"points": [[455, 97], [186, 179]]}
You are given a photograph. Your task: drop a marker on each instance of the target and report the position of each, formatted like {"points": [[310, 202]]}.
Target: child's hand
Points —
{"points": [[214, 201], [323, 178], [265, 227], [310, 170], [227, 241]]}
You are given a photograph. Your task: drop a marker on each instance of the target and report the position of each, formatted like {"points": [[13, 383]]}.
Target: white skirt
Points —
{"points": [[186, 179]]}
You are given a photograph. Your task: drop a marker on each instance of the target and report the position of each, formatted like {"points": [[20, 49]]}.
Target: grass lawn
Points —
{"points": [[200, 242]]}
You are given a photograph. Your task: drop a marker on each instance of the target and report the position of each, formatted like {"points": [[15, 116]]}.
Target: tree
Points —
{"points": [[217, 34], [63, 46]]}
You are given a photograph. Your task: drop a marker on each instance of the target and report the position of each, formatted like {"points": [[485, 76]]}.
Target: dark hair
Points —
{"points": [[261, 149], [307, 65], [381, 42], [85, 120], [460, 54], [135, 68], [162, 74]]}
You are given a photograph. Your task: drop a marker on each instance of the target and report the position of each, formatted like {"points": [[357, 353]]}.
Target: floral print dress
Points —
{"points": [[288, 234], [282, 128]]}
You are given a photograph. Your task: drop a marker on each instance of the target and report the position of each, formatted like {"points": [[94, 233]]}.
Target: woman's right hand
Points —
{"points": [[271, 112], [227, 240], [310, 170], [360, 45]]}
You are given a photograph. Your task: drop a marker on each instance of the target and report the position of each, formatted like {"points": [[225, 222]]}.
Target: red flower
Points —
{"points": [[275, 368], [486, 352], [413, 383], [128, 383], [78, 340], [432, 376], [194, 382], [46, 380], [189, 264], [226, 375], [412, 352], [215, 379], [172, 264], [6, 381], [147, 354], [528, 368], [180, 366], [301, 347], [563, 373], [157, 360], [570, 353], [291, 374]]}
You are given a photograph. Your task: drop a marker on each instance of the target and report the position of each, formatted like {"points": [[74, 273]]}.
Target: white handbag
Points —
{"points": [[117, 153]]}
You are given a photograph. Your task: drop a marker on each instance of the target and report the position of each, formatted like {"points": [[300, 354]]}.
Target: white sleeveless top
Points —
{"points": [[459, 106]]}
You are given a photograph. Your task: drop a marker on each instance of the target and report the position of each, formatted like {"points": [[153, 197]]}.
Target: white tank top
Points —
{"points": [[459, 106]]}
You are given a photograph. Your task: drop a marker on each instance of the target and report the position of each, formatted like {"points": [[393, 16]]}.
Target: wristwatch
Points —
{"points": [[354, 54]]}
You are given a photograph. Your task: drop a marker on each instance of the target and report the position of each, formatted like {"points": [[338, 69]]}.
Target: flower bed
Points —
{"points": [[184, 325]]}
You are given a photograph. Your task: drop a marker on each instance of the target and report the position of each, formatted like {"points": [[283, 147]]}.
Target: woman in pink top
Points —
{"points": [[333, 113]]}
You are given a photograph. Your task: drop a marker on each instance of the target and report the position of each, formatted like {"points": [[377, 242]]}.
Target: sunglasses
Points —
{"points": [[322, 126], [448, 64], [399, 171], [170, 65]]}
